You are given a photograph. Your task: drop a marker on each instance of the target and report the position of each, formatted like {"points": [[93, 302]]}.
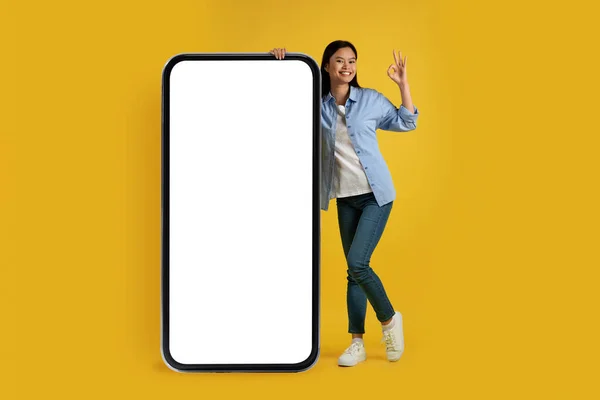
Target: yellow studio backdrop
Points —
{"points": [[491, 250]]}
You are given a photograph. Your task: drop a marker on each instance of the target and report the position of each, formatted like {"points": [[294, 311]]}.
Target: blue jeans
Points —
{"points": [[361, 223]]}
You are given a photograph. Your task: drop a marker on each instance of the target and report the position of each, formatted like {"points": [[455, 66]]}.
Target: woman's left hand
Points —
{"points": [[397, 71]]}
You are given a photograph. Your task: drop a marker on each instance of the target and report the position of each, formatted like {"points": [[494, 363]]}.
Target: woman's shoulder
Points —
{"points": [[369, 92]]}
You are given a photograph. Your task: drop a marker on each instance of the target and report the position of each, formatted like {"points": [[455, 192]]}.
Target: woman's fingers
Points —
{"points": [[395, 58], [391, 70], [279, 53]]}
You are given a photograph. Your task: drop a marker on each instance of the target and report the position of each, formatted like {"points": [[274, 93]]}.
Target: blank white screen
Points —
{"points": [[240, 259]]}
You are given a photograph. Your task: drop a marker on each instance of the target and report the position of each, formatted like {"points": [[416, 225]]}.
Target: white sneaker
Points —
{"points": [[394, 339], [354, 354]]}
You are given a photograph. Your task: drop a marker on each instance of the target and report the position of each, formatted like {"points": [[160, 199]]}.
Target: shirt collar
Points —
{"points": [[353, 95]]}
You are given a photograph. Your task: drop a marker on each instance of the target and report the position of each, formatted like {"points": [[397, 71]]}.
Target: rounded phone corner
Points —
{"points": [[171, 63], [308, 60], [310, 361], [170, 362]]}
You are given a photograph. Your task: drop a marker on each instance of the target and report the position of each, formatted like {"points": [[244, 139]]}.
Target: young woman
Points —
{"points": [[355, 173]]}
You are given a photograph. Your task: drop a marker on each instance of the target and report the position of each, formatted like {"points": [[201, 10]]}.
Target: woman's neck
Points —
{"points": [[341, 93]]}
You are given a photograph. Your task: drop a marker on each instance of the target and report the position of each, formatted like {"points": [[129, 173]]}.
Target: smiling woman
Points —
{"points": [[355, 173], [339, 58]]}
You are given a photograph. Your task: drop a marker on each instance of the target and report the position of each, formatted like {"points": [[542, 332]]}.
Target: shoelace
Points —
{"points": [[390, 340], [353, 349]]}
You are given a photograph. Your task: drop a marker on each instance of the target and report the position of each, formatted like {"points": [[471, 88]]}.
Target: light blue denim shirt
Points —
{"points": [[366, 111]]}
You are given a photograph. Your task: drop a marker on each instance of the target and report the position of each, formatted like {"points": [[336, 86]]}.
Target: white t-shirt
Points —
{"points": [[350, 179]]}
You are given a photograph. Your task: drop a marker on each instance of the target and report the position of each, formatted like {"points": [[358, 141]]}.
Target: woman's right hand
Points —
{"points": [[278, 53]]}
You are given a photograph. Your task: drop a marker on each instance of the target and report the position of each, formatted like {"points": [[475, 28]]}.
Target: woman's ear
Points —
{"points": [[325, 67]]}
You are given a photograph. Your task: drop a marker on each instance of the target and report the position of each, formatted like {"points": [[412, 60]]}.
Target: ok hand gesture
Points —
{"points": [[397, 71]]}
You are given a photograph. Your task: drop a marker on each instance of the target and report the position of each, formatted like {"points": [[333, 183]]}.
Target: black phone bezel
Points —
{"points": [[165, 135]]}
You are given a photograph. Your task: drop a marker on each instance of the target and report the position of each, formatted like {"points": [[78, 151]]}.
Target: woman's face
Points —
{"points": [[342, 66]]}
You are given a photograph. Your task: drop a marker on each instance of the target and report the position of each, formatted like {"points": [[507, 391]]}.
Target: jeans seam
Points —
{"points": [[370, 243], [367, 248]]}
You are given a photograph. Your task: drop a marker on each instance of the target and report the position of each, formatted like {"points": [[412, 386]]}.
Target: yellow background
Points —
{"points": [[491, 251]]}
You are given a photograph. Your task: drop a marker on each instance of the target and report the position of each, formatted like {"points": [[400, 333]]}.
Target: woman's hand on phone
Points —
{"points": [[278, 53]]}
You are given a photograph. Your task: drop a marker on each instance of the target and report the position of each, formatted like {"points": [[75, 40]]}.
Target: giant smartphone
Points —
{"points": [[240, 212]]}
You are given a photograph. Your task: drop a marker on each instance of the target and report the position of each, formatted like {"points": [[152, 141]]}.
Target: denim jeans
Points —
{"points": [[361, 221]]}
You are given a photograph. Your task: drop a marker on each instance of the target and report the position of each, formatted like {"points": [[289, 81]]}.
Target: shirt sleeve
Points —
{"points": [[395, 119]]}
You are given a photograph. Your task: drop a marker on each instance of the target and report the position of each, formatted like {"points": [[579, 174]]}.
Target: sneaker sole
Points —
{"points": [[352, 365]]}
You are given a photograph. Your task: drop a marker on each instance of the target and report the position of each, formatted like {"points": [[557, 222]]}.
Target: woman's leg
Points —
{"points": [[356, 300], [371, 224]]}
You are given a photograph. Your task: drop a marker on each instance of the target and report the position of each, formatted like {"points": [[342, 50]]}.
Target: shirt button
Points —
{"points": [[358, 152], [349, 126], [366, 167]]}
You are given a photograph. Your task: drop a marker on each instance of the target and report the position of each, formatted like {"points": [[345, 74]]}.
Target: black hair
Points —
{"points": [[327, 54]]}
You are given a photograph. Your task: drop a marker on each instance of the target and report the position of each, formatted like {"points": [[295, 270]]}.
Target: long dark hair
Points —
{"points": [[330, 51]]}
